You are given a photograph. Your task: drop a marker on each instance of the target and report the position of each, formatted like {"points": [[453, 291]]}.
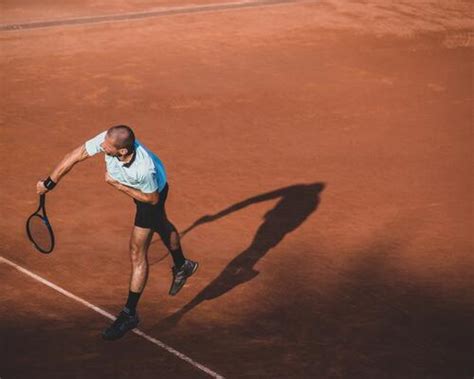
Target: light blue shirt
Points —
{"points": [[146, 173]]}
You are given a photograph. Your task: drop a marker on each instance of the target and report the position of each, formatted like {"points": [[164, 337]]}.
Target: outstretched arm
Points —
{"points": [[70, 159], [236, 207]]}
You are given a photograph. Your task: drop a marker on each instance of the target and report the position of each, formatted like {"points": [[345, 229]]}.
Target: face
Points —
{"points": [[110, 149]]}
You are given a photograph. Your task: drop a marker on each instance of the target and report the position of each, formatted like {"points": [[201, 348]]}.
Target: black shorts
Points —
{"points": [[150, 216]]}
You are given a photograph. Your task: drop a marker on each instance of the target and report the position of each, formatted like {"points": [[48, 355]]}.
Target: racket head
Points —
{"points": [[40, 233]]}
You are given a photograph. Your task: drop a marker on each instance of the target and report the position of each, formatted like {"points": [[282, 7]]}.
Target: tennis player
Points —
{"points": [[140, 174]]}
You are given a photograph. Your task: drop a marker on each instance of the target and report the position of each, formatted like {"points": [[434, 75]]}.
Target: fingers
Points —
{"points": [[40, 188]]}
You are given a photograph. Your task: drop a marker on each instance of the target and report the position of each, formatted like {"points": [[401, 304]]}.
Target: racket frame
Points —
{"points": [[44, 219]]}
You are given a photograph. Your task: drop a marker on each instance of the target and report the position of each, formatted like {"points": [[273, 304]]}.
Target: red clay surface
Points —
{"points": [[252, 111]]}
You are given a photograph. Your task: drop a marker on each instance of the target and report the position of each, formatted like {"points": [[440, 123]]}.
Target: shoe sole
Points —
{"points": [[179, 289], [195, 269], [120, 335]]}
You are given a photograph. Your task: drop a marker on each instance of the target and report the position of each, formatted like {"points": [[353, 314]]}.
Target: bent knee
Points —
{"points": [[174, 240]]}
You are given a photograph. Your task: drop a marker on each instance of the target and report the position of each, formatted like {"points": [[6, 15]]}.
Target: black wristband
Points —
{"points": [[49, 184]]}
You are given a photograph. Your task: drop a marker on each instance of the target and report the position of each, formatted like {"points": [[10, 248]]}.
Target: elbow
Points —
{"points": [[153, 198], [77, 155]]}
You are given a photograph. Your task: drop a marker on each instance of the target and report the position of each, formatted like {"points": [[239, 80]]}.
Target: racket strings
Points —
{"points": [[40, 233]]}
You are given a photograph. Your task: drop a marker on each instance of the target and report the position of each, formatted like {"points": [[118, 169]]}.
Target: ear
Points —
{"points": [[123, 152]]}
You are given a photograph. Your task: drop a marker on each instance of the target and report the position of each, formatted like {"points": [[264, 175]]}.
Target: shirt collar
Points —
{"points": [[134, 155]]}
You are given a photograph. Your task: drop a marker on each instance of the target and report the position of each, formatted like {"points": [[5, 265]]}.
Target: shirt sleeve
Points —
{"points": [[93, 145], [148, 182]]}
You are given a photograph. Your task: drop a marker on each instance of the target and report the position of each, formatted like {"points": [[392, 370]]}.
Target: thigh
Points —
{"points": [[149, 216], [140, 239]]}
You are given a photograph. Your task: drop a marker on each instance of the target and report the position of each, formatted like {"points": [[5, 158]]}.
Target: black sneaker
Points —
{"points": [[180, 275], [120, 326]]}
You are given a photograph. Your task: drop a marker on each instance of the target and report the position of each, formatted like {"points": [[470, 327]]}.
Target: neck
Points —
{"points": [[126, 158]]}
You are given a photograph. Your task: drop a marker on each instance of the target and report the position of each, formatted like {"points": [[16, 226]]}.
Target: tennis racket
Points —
{"points": [[39, 229]]}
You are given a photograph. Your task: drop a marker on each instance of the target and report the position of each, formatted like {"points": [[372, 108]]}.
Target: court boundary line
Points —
{"points": [[89, 20], [108, 315]]}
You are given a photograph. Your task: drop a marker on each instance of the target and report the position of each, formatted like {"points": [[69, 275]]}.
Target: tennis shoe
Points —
{"points": [[181, 275], [122, 324]]}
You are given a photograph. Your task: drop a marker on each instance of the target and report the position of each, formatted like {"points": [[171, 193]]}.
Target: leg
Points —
{"points": [[183, 268], [170, 237], [139, 243], [167, 231], [128, 318]]}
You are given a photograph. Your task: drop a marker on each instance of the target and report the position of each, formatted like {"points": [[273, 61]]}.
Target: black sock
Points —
{"points": [[132, 302], [178, 257]]}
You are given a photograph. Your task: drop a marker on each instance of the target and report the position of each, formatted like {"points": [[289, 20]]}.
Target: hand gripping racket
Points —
{"points": [[39, 229]]}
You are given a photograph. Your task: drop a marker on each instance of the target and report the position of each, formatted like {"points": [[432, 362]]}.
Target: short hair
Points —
{"points": [[123, 136]]}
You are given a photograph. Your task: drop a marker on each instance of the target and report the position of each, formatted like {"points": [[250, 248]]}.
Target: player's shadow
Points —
{"points": [[296, 204]]}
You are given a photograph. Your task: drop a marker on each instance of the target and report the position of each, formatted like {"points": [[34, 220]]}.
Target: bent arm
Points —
{"points": [[144, 197], [151, 198]]}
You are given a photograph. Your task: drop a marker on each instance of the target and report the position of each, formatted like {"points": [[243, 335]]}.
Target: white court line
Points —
{"points": [[169, 349], [109, 18]]}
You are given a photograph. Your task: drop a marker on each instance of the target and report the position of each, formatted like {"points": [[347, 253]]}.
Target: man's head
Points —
{"points": [[119, 141]]}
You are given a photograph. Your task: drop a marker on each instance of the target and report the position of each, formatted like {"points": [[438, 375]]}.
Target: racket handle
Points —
{"points": [[42, 200]]}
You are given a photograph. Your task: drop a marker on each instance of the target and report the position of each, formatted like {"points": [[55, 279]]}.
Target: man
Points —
{"points": [[140, 174]]}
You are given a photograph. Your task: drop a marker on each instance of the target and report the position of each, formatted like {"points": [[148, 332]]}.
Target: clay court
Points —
{"points": [[319, 158]]}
